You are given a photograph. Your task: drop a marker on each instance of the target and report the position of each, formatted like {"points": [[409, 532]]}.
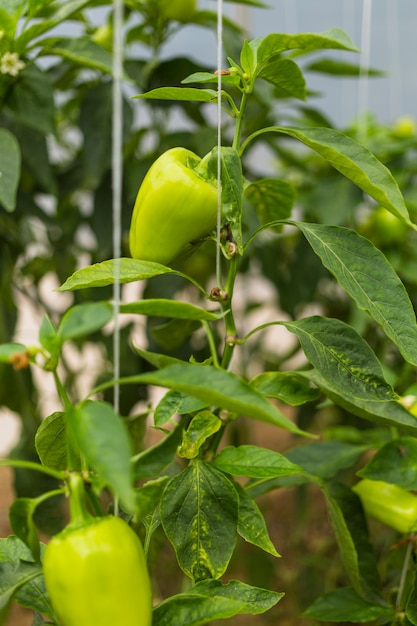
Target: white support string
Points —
{"points": [[363, 87], [117, 181], [394, 55], [219, 134]]}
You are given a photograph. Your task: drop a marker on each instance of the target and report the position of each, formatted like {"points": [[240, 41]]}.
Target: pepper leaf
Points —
{"points": [[389, 413], [395, 462], [214, 386], [252, 527], [253, 461], [275, 43], [21, 515], [21, 578], [51, 441], [354, 161], [153, 460], [197, 505], [349, 524], [103, 274], [287, 76], [175, 402], [184, 94], [345, 604], [202, 426], [232, 190], [210, 600], [84, 319], [285, 386], [10, 159], [366, 275], [101, 436], [271, 198], [342, 357], [163, 307], [7, 350]]}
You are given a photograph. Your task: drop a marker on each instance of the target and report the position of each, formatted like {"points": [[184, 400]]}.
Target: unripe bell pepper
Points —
{"points": [[389, 504], [176, 206], [95, 572], [179, 10]]}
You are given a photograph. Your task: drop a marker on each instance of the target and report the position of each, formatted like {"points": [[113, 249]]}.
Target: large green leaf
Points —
{"points": [[288, 387], [287, 76], [216, 387], [21, 515], [32, 100], [202, 426], [63, 12], [271, 198], [105, 273], [184, 94], [21, 579], [275, 43], [80, 51], [252, 527], [395, 462], [342, 357], [51, 441], [154, 459], [349, 524], [102, 438], [83, 319], [7, 350], [199, 513], [209, 600], [325, 459], [9, 169], [346, 605], [248, 460], [389, 413], [353, 160], [366, 275], [232, 190], [163, 307]]}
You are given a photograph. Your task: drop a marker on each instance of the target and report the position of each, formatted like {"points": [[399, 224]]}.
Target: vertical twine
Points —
{"points": [[394, 55], [117, 181], [219, 133], [363, 87]]}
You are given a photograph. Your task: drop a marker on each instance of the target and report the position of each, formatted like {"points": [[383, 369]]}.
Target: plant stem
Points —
{"points": [[37, 467], [239, 121], [78, 509], [229, 317], [403, 578]]}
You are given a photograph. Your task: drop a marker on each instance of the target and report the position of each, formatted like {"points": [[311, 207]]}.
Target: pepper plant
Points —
{"points": [[196, 488]]}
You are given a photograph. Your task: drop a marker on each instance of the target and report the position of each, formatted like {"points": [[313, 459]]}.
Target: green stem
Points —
{"points": [[229, 317], [33, 466], [403, 578], [63, 396], [239, 122], [212, 343], [79, 514]]}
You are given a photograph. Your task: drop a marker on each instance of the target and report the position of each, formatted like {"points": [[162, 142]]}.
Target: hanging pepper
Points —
{"points": [[389, 504], [95, 570], [178, 10], [176, 206]]}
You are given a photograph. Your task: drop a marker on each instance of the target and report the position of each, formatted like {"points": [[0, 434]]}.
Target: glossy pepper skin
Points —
{"points": [[389, 504], [176, 205], [178, 10], [96, 575]]}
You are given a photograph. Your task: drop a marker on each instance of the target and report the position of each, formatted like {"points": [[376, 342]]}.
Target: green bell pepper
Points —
{"points": [[389, 504], [178, 10], [176, 206], [95, 570]]}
